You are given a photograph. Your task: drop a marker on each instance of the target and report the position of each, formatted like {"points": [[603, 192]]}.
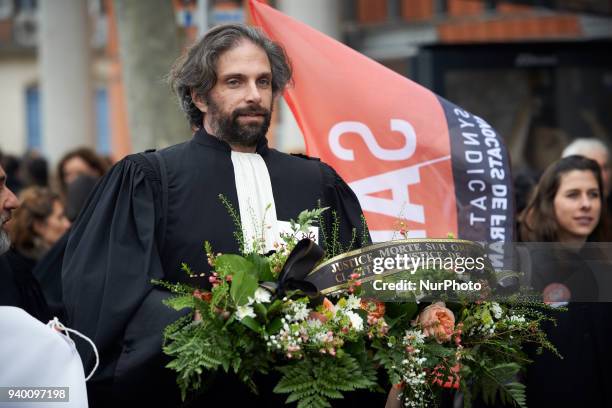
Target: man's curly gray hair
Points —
{"points": [[196, 70]]}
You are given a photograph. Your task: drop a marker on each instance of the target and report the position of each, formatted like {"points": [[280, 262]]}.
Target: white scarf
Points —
{"points": [[255, 200]]}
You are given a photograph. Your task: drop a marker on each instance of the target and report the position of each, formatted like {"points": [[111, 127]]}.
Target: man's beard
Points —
{"points": [[5, 241], [228, 129]]}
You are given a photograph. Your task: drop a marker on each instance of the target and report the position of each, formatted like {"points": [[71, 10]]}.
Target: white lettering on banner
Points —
{"points": [[399, 206], [461, 112], [473, 156], [475, 171], [472, 137], [482, 185], [474, 219], [491, 142], [496, 253], [397, 125], [480, 202], [488, 201], [500, 190], [398, 182], [495, 159]]}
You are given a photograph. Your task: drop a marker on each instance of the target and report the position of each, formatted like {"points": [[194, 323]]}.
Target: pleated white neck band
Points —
{"points": [[255, 200]]}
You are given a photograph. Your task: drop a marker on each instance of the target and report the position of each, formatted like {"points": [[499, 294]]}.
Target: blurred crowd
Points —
{"points": [[567, 207], [32, 169], [567, 204], [545, 211], [48, 203]]}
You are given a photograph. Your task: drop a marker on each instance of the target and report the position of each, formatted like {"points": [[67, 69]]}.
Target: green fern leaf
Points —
{"points": [[313, 382]]}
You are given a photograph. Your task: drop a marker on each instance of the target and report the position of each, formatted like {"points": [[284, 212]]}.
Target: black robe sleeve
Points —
{"points": [[352, 229], [19, 288], [110, 258], [48, 271]]}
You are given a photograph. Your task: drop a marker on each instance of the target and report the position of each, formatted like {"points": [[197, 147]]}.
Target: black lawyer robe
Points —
{"points": [[48, 271], [113, 252], [19, 287], [581, 335]]}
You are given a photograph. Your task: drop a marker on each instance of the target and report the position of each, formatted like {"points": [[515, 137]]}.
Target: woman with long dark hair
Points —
{"points": [[82, 161], [544, 220], [567, 210]]}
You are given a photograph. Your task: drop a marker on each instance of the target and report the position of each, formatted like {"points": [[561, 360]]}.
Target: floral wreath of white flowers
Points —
{"points": [[324, 348]]}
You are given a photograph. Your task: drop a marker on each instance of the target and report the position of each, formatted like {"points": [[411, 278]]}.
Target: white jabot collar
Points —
{"points": [[255, 200]]}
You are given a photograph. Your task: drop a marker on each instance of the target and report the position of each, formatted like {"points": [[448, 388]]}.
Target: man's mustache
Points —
{"points": [[250, 111], [4, 217]]}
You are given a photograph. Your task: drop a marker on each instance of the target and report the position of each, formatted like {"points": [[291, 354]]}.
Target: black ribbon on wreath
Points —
{"points": [[301, 261]]}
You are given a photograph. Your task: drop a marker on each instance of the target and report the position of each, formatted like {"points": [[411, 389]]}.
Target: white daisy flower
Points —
{"points": [[244, 311], [353, 302], [497, 310], [356, 320], [299, 311], [262, 296]]}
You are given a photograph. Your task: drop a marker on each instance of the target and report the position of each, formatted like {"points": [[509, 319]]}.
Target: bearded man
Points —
{"points": [[143, 220], [32, 354], [18, 286], [15, 290], [8, 202]]}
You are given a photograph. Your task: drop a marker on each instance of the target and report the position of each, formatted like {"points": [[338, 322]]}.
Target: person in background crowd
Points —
{"points": [[81, 161], [77, 193], [34, 170], [8, 203], [79, 179], [37, 224], [31, 353], [567, 207], [552, 216], [11, 165], [524, 183], [597, 150], [49, 270], [17, 286], [593, 149]]}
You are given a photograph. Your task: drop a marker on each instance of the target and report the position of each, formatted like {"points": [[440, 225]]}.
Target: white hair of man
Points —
{"points": [[593, 149], [583, 146]]}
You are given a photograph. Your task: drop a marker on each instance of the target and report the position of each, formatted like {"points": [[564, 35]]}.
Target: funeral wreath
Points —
{"points": [[262, 314]]}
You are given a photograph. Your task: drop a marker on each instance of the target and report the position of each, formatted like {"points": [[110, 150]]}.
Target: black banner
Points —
{"points": [[483, 183]]}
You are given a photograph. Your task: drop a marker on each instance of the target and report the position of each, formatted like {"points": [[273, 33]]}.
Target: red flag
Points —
{"points": [[407, 153]]}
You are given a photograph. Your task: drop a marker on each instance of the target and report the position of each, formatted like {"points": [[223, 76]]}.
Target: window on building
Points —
{"points": [[103, 140], [33, 125]]}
